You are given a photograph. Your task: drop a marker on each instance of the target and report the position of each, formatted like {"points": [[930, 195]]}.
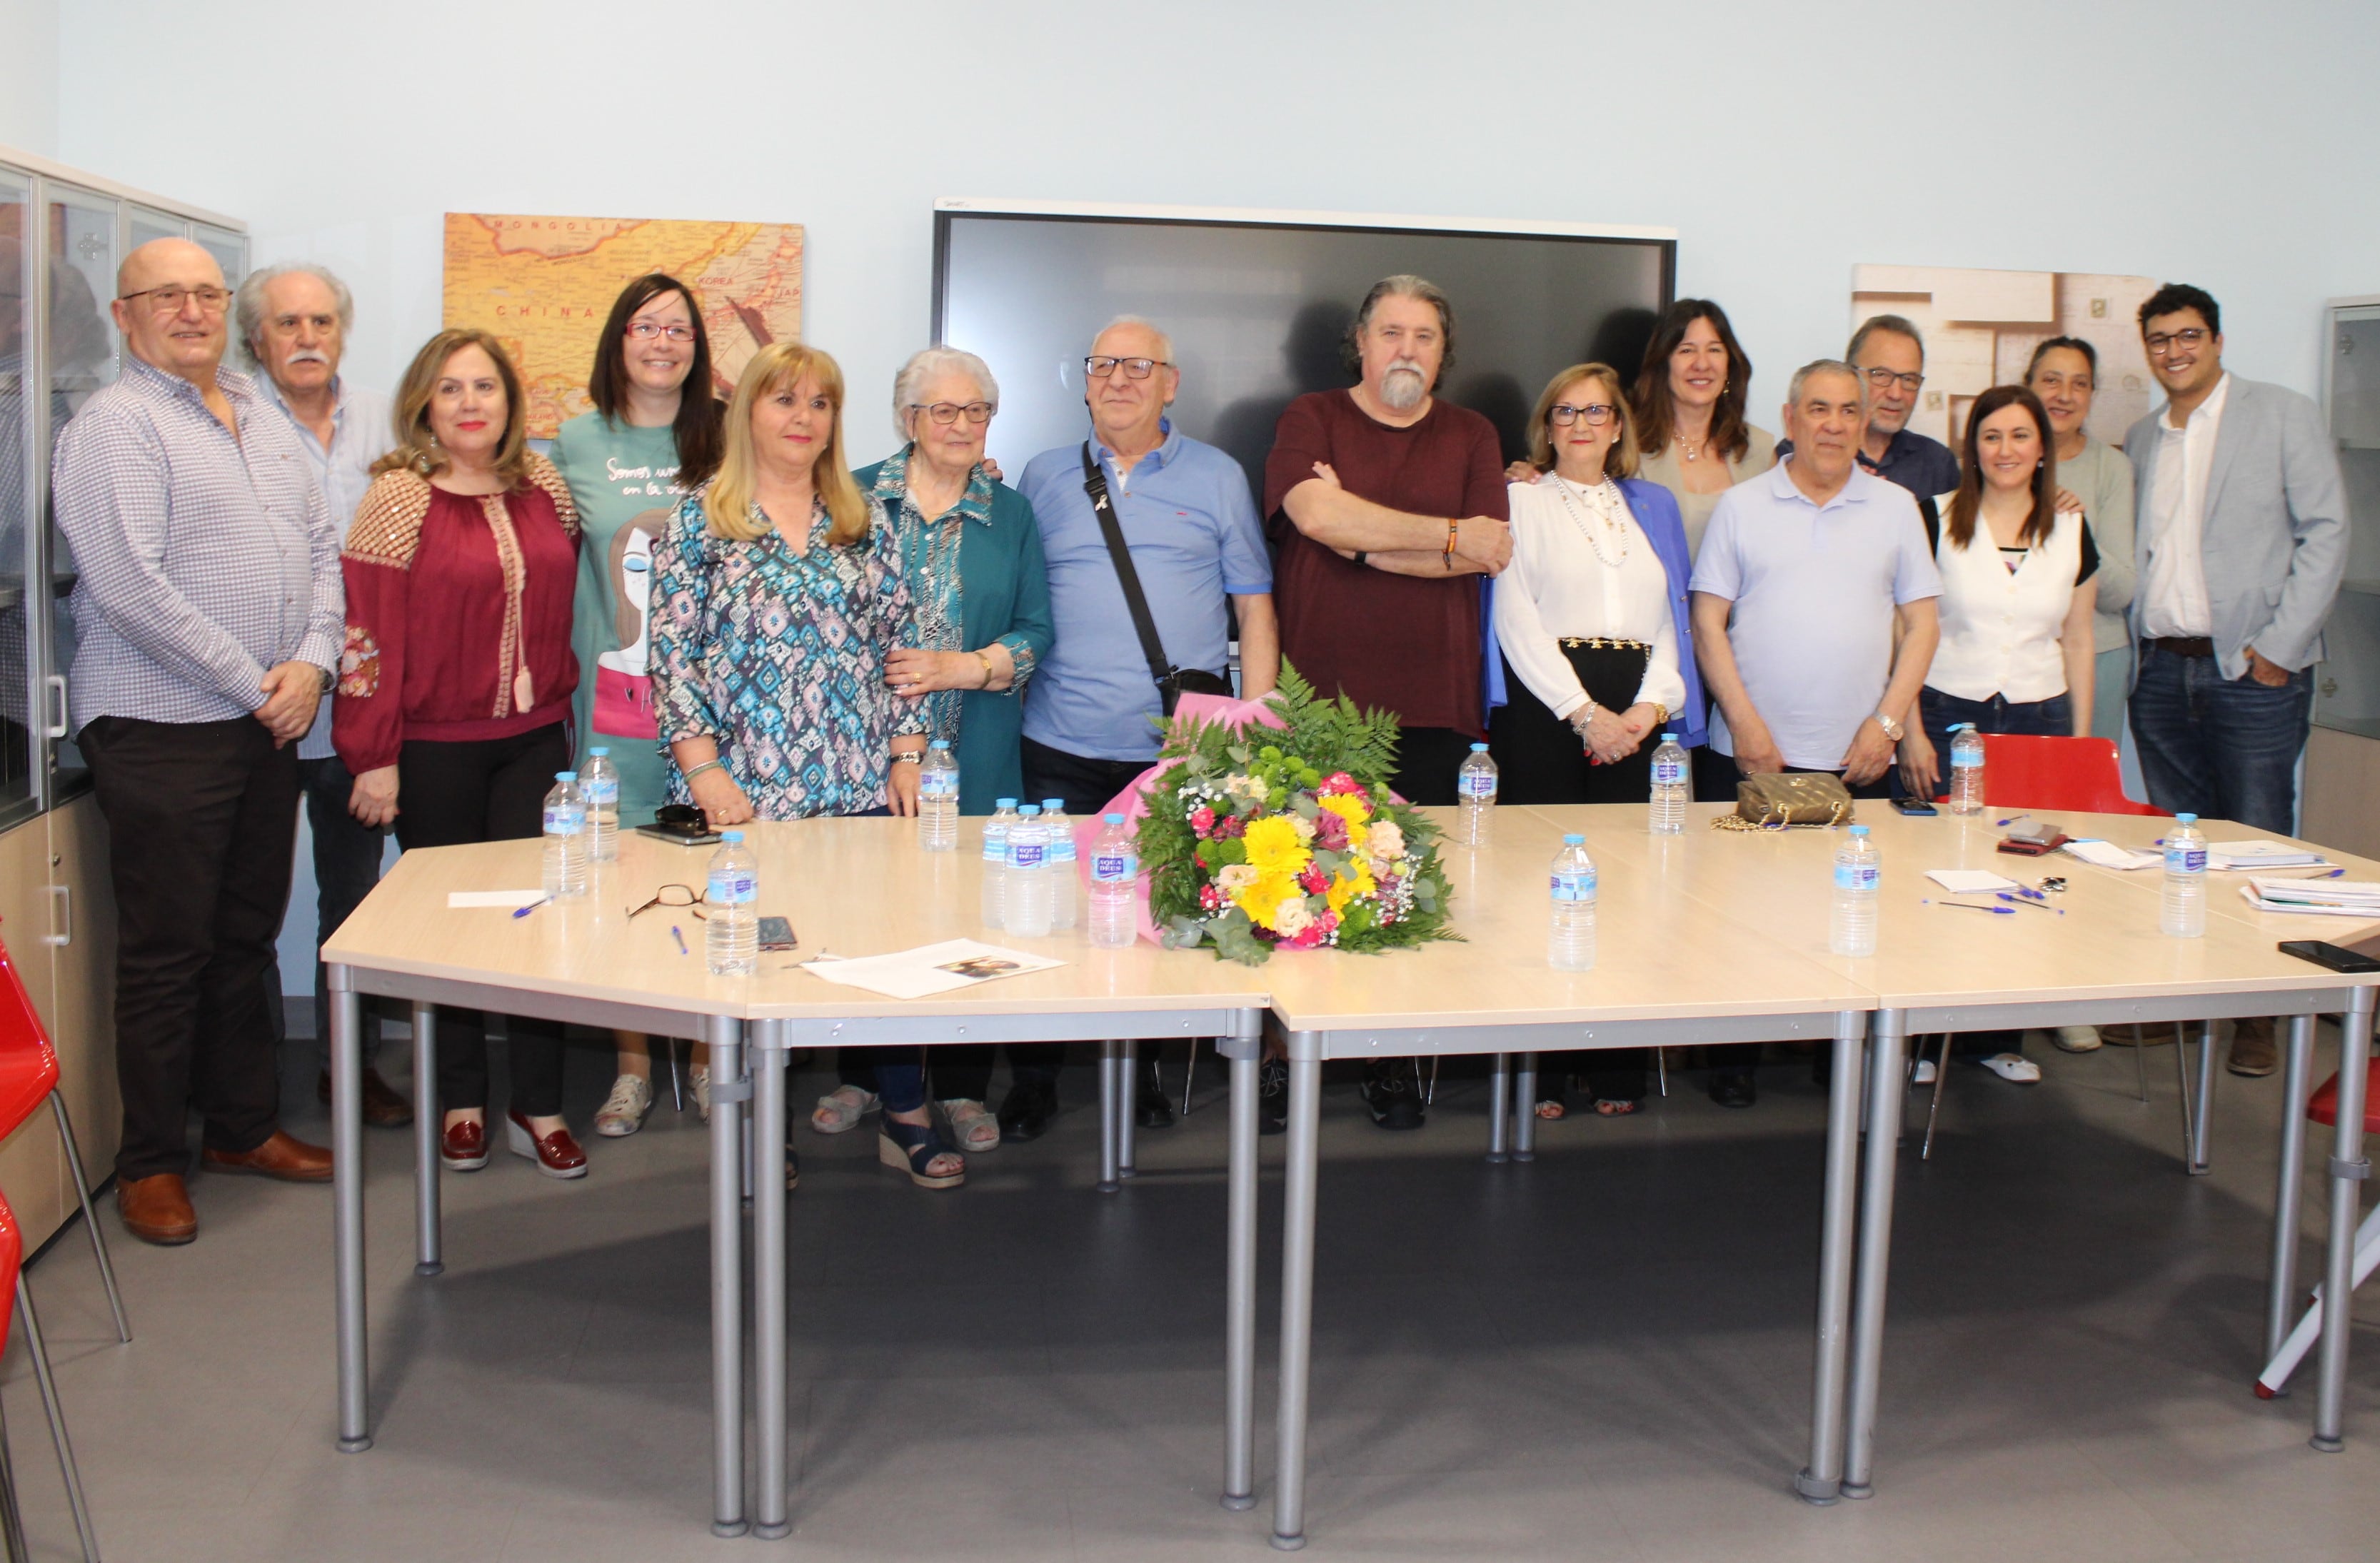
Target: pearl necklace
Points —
{"points": [[1692, 453], [1603, 499]]}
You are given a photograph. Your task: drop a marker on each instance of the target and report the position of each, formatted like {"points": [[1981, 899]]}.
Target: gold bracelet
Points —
{"points": [[985, 659]]}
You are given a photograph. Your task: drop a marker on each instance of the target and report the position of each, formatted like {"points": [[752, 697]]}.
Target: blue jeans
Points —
{"points": [[2221, 748], [1938, 713]]}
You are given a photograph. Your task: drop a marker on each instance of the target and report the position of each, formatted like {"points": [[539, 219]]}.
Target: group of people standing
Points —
{"points": [[710, 591]]}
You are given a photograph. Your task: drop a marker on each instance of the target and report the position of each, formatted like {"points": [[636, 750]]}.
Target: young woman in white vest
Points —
{"points": [[2017, 600]]}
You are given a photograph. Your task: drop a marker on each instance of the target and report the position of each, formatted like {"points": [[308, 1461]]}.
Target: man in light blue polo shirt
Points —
{"points": [[1801, 574]]}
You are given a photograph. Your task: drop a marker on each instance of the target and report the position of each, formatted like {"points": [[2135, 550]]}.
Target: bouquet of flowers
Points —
{"points": [[1260, 837]]}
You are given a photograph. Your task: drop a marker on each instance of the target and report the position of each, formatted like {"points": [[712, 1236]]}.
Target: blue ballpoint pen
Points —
{"points": [[524, 911], [2017, 898], [1968, 907], [678, 934]]}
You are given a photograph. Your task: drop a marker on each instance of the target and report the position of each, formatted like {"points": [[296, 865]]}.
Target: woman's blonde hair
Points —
{"points": [[1621, 460], [417, 448], [727, 502]]}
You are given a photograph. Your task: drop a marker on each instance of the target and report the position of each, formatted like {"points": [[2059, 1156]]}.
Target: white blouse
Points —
{"points": [[2003, 629], [1582, 568]]}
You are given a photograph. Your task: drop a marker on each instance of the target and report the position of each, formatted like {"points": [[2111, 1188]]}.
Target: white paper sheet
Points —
{"points": [[2107, 854], [930, 968], [2309, 909], [455, 899], [1967, 881], [2273, 852]]}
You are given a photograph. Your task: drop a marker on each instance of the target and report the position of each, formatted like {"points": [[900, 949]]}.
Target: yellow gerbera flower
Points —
{"points": [[1274, 845]]}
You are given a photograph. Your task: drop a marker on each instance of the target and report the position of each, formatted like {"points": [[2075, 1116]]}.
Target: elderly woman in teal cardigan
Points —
{"points": [[982, 595]]}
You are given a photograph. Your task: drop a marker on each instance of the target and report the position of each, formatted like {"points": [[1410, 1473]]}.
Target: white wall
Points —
{"points": [[30, 76], [1785, 142]]}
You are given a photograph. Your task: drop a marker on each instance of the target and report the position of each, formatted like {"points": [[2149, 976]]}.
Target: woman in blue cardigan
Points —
{"points": [[972, 561], [1598, 662]]}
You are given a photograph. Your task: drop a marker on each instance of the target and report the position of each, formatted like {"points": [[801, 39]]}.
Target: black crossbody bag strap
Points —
{"points": [[1095, 484]]}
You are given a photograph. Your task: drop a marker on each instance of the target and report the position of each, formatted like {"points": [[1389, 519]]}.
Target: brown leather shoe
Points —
{"points": [[383, 1109], [2252, 1048], [292, 1161], [157, 1209]]}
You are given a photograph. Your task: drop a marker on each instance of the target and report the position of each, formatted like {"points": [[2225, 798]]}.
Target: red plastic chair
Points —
{"points": [[2081, 774], [29, 1072], [12, 1521], [2323, 1105]]}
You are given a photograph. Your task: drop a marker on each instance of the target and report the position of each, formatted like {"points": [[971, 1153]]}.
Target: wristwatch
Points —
{"points": [[1893, 728], [330, 680]]}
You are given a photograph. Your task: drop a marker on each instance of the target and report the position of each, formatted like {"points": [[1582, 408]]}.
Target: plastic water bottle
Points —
{"points": [[2184, 912], [1475, 784], [1670, 783], [1859, 875], [731, 913], [937, 799], [1028, 875], [600, 784], [1570, 946], [1966, 770], [565, 838], [1116, 870], [995, 862], [1063, 896]]}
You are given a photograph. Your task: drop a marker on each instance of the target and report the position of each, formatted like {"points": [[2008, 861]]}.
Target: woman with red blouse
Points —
{"points": [[456, 681]]}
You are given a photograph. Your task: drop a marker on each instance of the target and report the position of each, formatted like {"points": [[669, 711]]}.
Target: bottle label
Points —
{"points": [[1061, 847], [1480, 784], [733, 887], [938, 785], [1571, 884], [2185, 860], [1965, 762], [1025, 855], [601, 793], [1857, 876], [1115, 867], [1669, 772], [565, 820], [995, 846]]}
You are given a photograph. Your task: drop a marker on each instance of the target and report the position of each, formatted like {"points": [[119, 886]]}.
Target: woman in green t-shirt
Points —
{"points": [[652, 438]]}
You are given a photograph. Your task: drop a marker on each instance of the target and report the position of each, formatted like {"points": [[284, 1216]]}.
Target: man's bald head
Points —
{"points": [[167, 260], [171, 305]]}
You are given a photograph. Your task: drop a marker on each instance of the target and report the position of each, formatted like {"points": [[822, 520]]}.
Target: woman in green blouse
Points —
{"points": [[652, 438], [982, 596]]}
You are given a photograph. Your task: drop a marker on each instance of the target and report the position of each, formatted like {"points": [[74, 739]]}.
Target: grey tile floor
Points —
{"points": [[1604, 1355]]}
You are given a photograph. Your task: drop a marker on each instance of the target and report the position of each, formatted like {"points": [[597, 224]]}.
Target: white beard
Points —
{"points": [[1403, 388]]}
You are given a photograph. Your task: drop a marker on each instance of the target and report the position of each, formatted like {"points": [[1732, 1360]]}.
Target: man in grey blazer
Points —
{"points": [[2241, 542]]}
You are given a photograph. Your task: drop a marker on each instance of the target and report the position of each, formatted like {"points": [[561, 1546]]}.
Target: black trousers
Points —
{"points": [[199, 841], [1428, 758], [487, 789], [347, 866]]}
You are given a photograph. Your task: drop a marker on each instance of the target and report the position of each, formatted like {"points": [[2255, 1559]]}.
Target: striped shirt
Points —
{"points": [[203, 560]]}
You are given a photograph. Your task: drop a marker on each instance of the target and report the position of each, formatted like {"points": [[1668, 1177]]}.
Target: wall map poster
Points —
{"points": [[545, 286]]}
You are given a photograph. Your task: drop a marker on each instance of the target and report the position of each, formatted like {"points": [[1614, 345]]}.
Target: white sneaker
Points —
{"points": [[623, 1111], [1924, 1075], [2078, 1038], [699, 1076], [2015, 1067]]}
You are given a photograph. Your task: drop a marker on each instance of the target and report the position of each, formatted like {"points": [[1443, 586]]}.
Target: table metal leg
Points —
{"points": [[1240, 1270], [1298, 1285], [768, 1066], [1524, 1109], [1110, 1150], [2288, 1198], [1500, 1107], [428, 1257], [2348, 1171], [2201, 1123], [1874, 1263], [727, 1089], [1127, 1103], [347, 1204], [1821, 1481]]}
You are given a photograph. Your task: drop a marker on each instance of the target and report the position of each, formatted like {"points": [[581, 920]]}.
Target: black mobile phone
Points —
{"points": [[777, 933], [2324, 953], [682, 823], [1914, 806]]}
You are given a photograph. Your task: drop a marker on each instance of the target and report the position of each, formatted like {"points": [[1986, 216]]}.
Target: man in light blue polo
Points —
{"points": [[1801, 574], [1191, 530]]}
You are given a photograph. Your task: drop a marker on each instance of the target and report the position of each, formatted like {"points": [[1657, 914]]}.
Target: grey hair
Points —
{"points": [[1825, 365], [929, 362], [1164, 339], [1404, 284], [249, 302], [1897, 325]]}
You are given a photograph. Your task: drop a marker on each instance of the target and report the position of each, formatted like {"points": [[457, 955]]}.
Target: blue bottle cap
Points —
{"points": [[2185, 819], [937, 744], [1859, 830], [1478, 748], [1573, 840], [1114, 818], [731, 835], [1006, 803], [1031, 811], [1668, 737], [565, 776], [593, 752], [1053, 806]]}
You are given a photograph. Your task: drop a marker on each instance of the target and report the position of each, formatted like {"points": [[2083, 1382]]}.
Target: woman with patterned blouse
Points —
{"points": [[781, 588]]}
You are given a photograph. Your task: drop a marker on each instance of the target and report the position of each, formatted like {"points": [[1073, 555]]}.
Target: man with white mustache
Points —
{"points": [[293, 322]]}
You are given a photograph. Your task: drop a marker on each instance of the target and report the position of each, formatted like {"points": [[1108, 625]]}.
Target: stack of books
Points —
{"points": [[2319, 898], [2261, 855]]}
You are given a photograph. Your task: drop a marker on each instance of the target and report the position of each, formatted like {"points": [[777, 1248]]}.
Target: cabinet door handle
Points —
{"points": [[61, 915], [56, 725]]}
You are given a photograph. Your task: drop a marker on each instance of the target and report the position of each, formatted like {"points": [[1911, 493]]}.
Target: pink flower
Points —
{"points": [[1230, 828], [1202, 821], [1211, 899], [1313, 881], [1338, 781]]}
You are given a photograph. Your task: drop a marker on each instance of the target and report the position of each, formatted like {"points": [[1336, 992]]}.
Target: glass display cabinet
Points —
{"points": [[2347, 689]]}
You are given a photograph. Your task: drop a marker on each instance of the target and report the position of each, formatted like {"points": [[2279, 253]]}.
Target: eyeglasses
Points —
{"points": [[1884, 379], [169, 299], [1597, 414], [645, 331], [2160, 343], [673, 895], [1099, 366], [948, 412]]}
